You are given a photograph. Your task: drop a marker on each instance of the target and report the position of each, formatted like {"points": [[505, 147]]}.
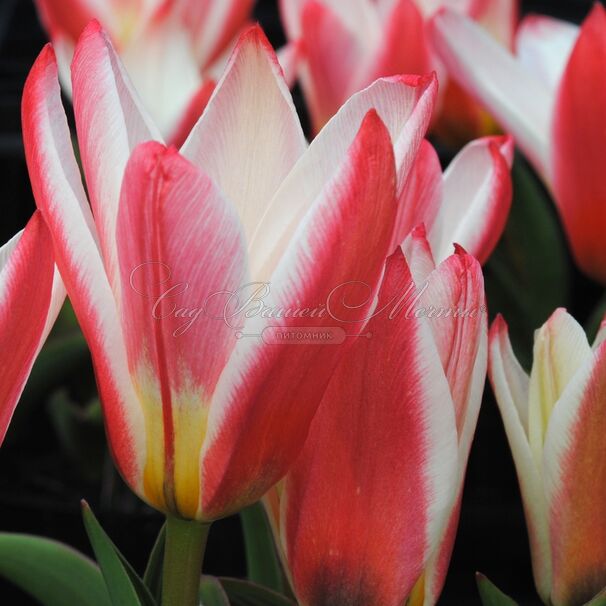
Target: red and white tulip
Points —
{"points": [[550, 96], [31, 295], [344, 46], [172, 49], [368, 513], [202, 422], [555, 421], [468, 204]]}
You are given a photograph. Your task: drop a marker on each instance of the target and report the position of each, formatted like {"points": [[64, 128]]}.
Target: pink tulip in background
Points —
{"points": [[344, 46], [551, 97], [31, 295], [555, 421], [172, 49]]}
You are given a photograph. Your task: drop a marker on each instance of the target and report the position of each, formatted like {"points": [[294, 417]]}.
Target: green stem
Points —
{"points": [[183, 556]]}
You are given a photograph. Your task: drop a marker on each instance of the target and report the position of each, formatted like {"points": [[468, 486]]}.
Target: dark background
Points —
{"points": [[45, 471]]}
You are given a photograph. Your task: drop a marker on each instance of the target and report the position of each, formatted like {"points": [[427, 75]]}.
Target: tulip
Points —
{"points": [[550, 96], [554, 422], [173, 50], [469, 203], [202, 415], [369, 510], [344, 46], [31, 295]]}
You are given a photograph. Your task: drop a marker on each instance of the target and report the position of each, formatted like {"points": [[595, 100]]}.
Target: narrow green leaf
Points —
{"points": [[124, 586], [528, 275], [491, 595], [599, 600], [261, 558], [212, 592], [245, 593], [153, 572], [52, 573]]}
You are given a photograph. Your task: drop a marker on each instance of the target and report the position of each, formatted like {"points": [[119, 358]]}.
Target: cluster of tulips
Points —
{"points": [[188, 184]]}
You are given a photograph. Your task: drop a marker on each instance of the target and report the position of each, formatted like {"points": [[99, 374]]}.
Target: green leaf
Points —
{"points": [[153, 571], [52, 573], [245, 593], [261, 558], [212, 592], [528, 275], [492, 595], [599, 600], [124, 586]]}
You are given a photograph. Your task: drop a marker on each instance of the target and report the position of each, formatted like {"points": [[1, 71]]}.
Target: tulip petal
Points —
{"points": [[249, 136], [27, 309], [543, 45], [350, 507], [418, 256], [476, 200], [488, 72], [273, 389], [191, 115], [579, 185], [575, 484], [511, 386], [67, 18], [455, 291], [110, 123], [422, 196], [403, 48], [164, 72], [404, 104], [560, 349], [179, 243], [58, 190], [332, 56]]}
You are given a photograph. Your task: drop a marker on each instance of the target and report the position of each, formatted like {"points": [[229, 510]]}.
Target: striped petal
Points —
{"points": [[578, 150], [332, 56], [543, 45], [476, 199], [457, 286], [511, 387], [422, 196], [350, 506], [493, 76], [68, 18], [270, 391], [28, 308], [404, 104], [59, 194], [249, 136], [110, 123], [575, 484], [179, 243]]}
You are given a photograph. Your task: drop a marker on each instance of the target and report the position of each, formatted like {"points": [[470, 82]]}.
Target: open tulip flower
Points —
{"points": [[555, 421], [344, 46], [368, 513], [551, 97], [204, 416], [172, 49], [31, 295]]}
